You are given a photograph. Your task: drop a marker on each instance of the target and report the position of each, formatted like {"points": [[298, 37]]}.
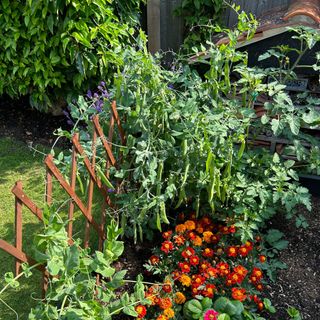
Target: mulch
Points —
{"points": [[297, 286]]}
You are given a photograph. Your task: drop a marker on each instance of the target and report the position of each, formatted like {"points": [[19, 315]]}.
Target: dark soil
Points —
{"points": [[18, 120], [297, 286]]}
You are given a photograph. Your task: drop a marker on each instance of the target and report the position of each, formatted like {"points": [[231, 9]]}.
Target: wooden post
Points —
{"points": [[153, 17], [18, 219]]}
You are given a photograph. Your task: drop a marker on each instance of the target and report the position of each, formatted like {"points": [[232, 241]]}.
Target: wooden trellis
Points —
{"points": [[22, 200]]}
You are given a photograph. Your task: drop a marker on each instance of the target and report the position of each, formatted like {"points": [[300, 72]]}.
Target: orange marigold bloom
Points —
{"points": [[169, 313], [167, 234], [165, 303], [212, 272], [243, 251], [167, 287], [191, 235], [141, 311], [260, 306], [215, 238], [199, 228], [259, 286], [190, 225], [223, 268], [184, 266], [207, 236], [197, 241], [180, 228], [179, 298], [179, 240], [152, 298], [204, 266], [185, 280], [239, 294], [162, 317], [209, 290], [194, 260], [198, 280]]}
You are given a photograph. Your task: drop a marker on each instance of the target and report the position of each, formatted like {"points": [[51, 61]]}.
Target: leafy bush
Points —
{"points": [[52, 49]]}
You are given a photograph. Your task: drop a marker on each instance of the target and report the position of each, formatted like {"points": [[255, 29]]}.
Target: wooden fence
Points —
{"points": [[52, 171]]}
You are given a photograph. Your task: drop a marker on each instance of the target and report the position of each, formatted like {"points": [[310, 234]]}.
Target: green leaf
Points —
{"points": [[223, 316], [104, 179]]}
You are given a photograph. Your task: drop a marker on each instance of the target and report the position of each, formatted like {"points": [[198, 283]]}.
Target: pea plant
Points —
{"points": [[188, 139]]}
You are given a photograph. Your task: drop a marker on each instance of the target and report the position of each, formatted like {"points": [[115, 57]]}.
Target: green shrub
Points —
{"points": [[50, 49]]}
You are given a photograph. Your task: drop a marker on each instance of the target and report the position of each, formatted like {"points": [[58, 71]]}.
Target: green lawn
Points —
{"points": [[18, 162]]}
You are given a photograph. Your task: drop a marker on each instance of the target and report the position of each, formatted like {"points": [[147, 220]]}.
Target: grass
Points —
{"points": [[18, 162]]}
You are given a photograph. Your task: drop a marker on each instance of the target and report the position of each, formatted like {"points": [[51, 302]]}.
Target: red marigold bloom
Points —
{"points": [[249, 245], [224, 230], [162, 317], [205, 221], [141, 311], [209, 290], [258, 239], [232, 229], [256, 272], [259, 287], [167, 234], [241, 271], [260, 306], [253, 279], [154, 260], [198, 280], [211, 315], [165, 303], [179, 240], [166, 246], [212, 272], [204, 265], [262, 258], [235, 278], [167, 287], [195, 291], [188, 252], [194, 260], [215, 238], [185, 267], [191, 235], [208, 253], [243, 251], [239, 294], [223, 268], [232, 251]]}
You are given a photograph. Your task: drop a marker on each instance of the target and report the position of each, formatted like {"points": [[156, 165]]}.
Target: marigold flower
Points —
{"points": [[211, 315], [207, 235], [190, 225], [241, 271], [179, 298], [179, 240], [225, 230], [199, 228], [256, 272], [212, 272], [167, 287], [180, 228], [239, 294], [166, 246], [162, 317], [208, 253], [232, 229], [152, 298], [209, 290], [194, 260], [195, 291], [260, 306], [223, 268], [232, 251], [198, 280], [165, 303], [169, 313], [141, 311], [262, 258], [176, 274], [191, 235], [243, 251], [259, 287], [188, 252], [167, 234], [204, 266], [219, 251], [184, 266], [197, 241], [215, 238], [249, 245], [205, 221], [154, 260], [185, 280]]}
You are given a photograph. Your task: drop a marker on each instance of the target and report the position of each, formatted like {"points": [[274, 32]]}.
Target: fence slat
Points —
{"points": [[18, 229], [73, 178], [55, 171], [118, 122]]}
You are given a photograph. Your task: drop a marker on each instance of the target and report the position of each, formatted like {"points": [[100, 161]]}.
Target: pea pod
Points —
{"points": [[197, 205], [140, 232], [218, 183], [184, 147], [123, 221], [242, 147], [186, 171], [163, 214], [211, 189], [142, 214], [158, 221], [159, 176], [104, 179], [182, 195], [209, 161], [135, 236]]}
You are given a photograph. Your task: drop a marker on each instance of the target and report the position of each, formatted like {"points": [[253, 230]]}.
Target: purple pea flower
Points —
{"points": [[89, 94]]}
